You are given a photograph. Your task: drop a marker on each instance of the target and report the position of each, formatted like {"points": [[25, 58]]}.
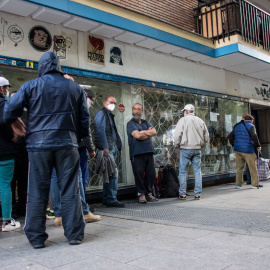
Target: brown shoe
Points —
{"points": [[58, 221], [91, 218]]}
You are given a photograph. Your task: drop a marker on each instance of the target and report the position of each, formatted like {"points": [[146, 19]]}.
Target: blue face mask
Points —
{"points": [[6, 96]]}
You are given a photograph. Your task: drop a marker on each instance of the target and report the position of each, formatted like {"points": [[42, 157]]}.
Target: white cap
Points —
{"points": [[4, 81], [189, 107]]}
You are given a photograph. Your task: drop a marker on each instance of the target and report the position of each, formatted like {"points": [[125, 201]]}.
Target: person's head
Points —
{"points": [[4, 87], [110, 103], [249, 118], [90, 97], [244, 115], [189, 108], [137, 111]]}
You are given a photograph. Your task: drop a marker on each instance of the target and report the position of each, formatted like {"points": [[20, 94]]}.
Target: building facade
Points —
{"points": [[119, 50]]}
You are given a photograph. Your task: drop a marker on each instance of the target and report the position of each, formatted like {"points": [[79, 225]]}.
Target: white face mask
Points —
{"points": [[89, 104], [111, 107]]}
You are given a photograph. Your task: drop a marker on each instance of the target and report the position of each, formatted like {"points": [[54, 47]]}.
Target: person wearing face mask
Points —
{"points": [[190, 134], [107, 141], [4, 86], [141, 151]]}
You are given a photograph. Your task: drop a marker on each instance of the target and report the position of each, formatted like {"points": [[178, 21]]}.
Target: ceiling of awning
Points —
{"points": [[235, 62]]}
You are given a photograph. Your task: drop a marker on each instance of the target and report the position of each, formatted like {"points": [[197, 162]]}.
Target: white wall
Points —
{"points": [[137, 62]]}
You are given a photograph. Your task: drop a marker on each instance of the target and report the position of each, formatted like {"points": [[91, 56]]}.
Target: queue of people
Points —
{"points": [[59, 143]]}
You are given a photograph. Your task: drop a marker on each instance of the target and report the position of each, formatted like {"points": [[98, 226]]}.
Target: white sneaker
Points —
{"points": [[238, 187], [10, 225]]}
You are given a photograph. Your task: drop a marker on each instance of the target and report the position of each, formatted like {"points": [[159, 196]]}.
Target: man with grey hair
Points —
{"points": [[190, 135]]}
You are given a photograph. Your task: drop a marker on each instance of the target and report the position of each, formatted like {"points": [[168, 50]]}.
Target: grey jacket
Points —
{"points": [[105, 166], [191, 132]]}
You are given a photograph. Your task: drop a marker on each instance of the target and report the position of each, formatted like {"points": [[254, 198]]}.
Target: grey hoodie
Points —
{"points": [[191, 132]]}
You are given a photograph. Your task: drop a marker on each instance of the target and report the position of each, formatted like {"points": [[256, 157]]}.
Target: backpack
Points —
{"points": [[168, 181]]}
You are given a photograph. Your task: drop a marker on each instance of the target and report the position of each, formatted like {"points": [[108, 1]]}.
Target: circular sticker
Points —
{"points": [[40, 38], [15, 33], [121, 108]]}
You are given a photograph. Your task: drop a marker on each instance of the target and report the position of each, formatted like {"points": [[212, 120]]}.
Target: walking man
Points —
{"points": [[108, 141], [141, 151], [190, 135], [245, 140], [57, 119]]}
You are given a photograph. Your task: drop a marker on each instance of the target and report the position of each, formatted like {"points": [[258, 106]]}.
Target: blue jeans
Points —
{"points": [[6, 174], [194, 156], [110, 189], [84, 167], [56, 194]]}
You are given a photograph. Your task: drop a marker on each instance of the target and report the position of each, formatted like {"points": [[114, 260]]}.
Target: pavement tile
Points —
{"points": [[190, 233], [24, 265], [54, 255], [118, 250], [98, 263], [7, 258]]}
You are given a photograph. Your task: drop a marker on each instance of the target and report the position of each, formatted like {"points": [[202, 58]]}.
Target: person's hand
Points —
{"points": [[92, 155], [68, 77], [106, 152], [18, 127], [259, 149], [15, 138]]}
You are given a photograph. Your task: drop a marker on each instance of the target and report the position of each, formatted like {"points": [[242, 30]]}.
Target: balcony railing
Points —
{"points": [[222, 19]]}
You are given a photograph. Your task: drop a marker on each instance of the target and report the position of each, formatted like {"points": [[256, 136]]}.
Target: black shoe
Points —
{"points": [[197, 197], [36, 246], [259, 186], [182, 197], [75, 242], [115, 204]]}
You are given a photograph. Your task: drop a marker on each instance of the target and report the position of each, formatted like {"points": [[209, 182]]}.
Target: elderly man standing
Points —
{"points": [[57, 119], [244, 139], [141, 151], [108, 141], [190, 135]]}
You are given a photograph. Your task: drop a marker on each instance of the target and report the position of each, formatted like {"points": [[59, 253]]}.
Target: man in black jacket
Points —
{"points": [[107, 140], [57, 119]]}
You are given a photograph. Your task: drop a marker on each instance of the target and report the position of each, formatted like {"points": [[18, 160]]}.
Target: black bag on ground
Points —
{"points": [[170, 184]]}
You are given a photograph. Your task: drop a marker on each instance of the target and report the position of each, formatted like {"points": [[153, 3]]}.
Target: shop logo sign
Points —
{"points": [[15, 34], [116, 56], [96, 50], [121, 108], [263, 92], [59, 47], [40, 38]]}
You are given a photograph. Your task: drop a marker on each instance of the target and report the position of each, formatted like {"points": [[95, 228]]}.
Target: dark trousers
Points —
{"points": [[66, 163], [144, 173], [19, 183]]}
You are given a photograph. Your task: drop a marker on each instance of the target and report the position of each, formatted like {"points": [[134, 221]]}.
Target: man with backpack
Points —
{"points": [[141, 151], [245, 141], [190, 135]]}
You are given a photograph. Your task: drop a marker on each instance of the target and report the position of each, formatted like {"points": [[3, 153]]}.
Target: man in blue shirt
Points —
{"points": [[107, 140], [141, 153]]}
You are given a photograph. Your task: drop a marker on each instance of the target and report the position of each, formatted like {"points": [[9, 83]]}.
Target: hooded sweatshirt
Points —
{"points": [[57, 114]]}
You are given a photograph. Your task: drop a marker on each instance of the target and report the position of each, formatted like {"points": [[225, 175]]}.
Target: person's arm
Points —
{"points": [[139, 135], [100, 122], [83, 131], [151, 132], [255, 138], [231, 138], [178, 132]]}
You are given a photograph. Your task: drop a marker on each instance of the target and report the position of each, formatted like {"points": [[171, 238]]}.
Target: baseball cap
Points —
{"points": [[4, 81], [189, 107]]}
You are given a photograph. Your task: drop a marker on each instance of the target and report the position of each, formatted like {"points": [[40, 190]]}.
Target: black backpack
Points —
{"points": [[169, 183]]}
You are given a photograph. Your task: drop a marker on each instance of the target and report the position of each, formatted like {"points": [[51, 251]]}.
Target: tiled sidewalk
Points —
{"points": [[125, 241]]}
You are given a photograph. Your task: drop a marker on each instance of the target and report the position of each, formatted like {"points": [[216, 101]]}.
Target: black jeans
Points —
{"points": [[19, 183], [144, 172], [66, 163]]}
